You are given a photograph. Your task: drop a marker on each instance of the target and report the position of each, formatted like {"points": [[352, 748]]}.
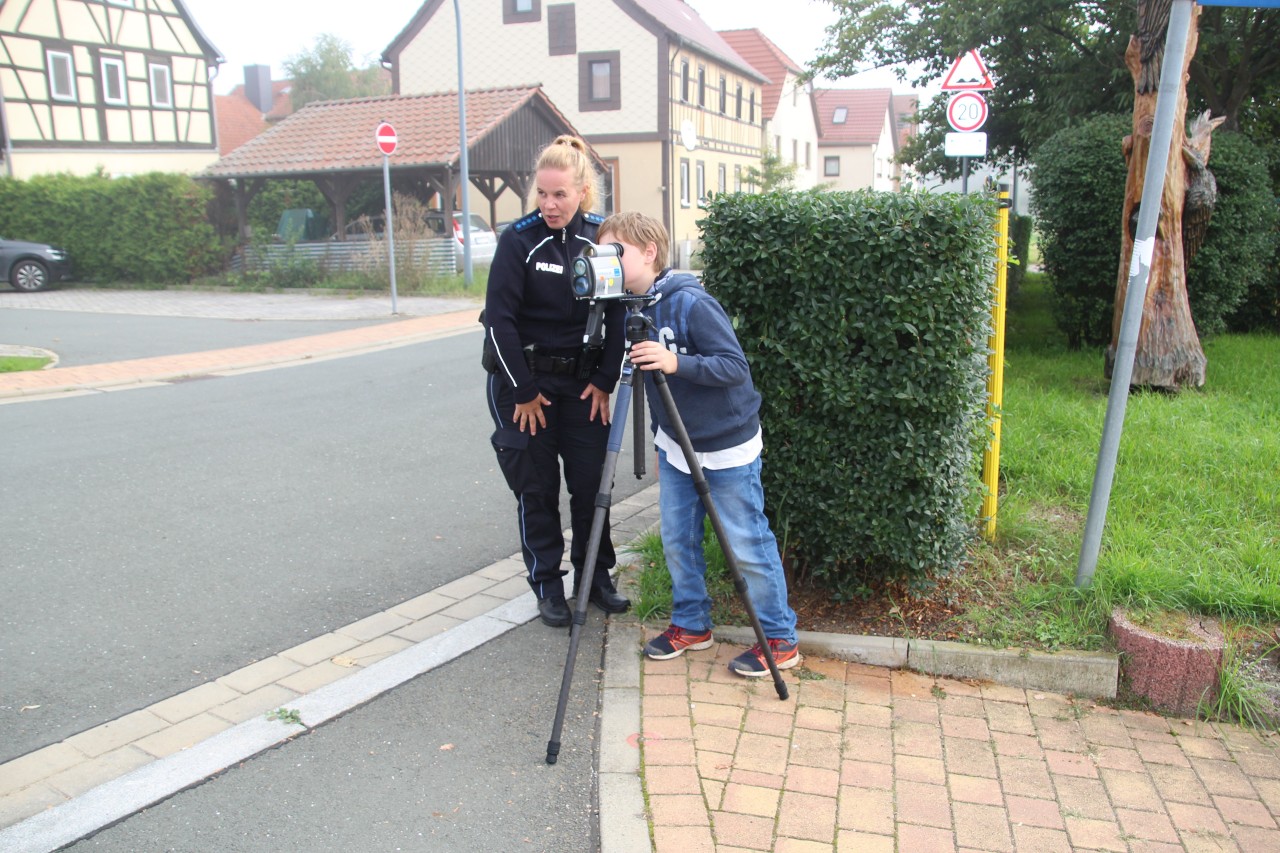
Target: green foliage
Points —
{"points": [[865, 318], [1054, 64], [278, 196], [1260, 308], [144, 229], [1241, 239], [327, 72], [1079, 176], [774, 173], [1019, 249]]}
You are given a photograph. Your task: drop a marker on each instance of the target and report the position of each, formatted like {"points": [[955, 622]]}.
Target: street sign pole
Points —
{"points": [[1175, 52], [964, 175], [391, 236]]}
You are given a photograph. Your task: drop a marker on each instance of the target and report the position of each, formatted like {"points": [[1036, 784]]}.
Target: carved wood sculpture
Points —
{"points": [[1168, 352]]}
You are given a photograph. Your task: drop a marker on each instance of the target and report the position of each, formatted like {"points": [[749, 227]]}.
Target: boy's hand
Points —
{"points": [[651, 355]]}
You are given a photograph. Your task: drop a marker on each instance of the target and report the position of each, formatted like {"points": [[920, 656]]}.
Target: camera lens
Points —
{"points": [[581, 281]]}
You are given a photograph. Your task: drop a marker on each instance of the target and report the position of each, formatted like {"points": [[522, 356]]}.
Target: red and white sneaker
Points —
{"points": [[751, 663], [675, 641]]}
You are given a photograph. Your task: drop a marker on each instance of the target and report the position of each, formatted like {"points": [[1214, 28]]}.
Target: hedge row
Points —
{"points": [[146, 229], [865, 319], [1079, 178]]}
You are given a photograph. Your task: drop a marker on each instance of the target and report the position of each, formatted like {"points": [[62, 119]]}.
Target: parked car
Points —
{"points": [[32, 266], [483, 240]]}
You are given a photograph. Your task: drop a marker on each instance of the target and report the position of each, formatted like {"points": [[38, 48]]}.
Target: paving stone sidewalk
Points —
{"points": [[868, 759]]}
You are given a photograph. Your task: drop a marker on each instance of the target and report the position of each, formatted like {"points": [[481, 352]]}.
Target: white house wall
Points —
{"points": [[794, 130]]}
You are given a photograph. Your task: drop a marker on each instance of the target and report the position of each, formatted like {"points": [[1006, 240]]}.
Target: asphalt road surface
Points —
{"points": [[452, 761], [158, 538]]}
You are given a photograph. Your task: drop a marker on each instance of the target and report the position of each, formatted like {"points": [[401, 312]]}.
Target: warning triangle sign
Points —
{"points": [[968, 74]]}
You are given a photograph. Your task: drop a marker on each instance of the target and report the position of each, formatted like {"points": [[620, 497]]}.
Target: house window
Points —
{"points": [[702, 86], [684, 181], [62, 76], [737, 179], [738, 115], [521, 11], [599, 83], [795, 151], [841, 115], [777, 146], [684, 80], [113, 91], [724, 95], [831, 167], [161, 86], [562, 30], [752, 119], [702, 183], [808, 154], [722, 178], [129, 3]]}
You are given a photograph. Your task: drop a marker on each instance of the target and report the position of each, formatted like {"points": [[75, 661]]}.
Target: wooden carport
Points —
{"points": [[331, 143]]}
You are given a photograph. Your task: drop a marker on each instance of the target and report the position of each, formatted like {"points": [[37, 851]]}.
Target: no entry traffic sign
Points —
{"points": [[967, 111], [386, 138]]}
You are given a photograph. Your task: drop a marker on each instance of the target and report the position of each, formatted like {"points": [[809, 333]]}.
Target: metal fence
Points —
{"points": [[437, 255]]}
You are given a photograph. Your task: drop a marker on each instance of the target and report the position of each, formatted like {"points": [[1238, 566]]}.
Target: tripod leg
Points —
{"points": [[604, 497], [704, 491]]}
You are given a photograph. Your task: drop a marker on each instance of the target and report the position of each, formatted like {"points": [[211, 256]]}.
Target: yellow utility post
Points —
{"points": [[995, 381]]}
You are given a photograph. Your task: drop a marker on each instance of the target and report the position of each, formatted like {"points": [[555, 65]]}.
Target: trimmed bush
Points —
{"points": [[1079, 176], [865, 319], [146, 229], [1019, 250], [1240, 244]]}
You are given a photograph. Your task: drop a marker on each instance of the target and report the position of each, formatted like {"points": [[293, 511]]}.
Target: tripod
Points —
{"points": [[638, 326]]}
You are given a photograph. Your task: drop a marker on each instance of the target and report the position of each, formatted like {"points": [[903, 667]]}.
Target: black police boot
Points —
{"points": [[554, 611], [603, 593]]}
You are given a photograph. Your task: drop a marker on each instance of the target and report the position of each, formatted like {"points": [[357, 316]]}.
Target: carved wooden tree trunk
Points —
{"points": [[1168, 353]]}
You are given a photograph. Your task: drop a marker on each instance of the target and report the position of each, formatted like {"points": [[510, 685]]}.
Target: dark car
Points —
{"points": [[32, 266]]}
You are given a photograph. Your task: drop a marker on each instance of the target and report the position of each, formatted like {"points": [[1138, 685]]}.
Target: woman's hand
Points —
{"points": [[530, 414], [651, 355], [599, 403]]}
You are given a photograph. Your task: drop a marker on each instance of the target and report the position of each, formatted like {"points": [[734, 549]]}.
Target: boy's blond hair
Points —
{"points": [[639, 230]]}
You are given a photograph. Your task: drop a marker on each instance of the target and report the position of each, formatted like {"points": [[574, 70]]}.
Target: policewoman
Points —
{"points": [[548, 394]]}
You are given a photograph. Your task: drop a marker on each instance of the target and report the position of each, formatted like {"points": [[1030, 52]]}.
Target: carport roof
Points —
{"points": [[338, 136]]}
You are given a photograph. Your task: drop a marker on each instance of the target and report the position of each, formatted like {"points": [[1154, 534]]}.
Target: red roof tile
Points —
{"points": [[866, 111], [338, 136], [755, 47]]}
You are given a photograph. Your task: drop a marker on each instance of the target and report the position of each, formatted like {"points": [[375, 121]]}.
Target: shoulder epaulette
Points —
{"points": [[528, 222], [593, 218]]}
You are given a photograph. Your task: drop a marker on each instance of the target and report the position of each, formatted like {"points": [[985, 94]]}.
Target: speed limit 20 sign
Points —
{"points": [[967, 111]]}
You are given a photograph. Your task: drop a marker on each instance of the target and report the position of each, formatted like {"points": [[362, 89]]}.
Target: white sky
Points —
{"points": [[267, 32]]}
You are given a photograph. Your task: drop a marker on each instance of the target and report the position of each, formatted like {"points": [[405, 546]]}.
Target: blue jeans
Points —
{"points": [[739, 500]]}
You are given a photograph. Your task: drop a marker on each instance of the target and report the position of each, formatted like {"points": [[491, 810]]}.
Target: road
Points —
{"points": [[169, 535]]}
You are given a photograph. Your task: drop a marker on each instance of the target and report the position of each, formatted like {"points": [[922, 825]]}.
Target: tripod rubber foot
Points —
{"points": [[782, 691], [553, 751]]}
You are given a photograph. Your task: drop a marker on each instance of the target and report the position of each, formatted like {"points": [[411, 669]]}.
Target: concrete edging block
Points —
{"points": [[1092, 674]]}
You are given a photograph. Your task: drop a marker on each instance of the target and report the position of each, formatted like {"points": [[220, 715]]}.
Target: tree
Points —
{"points": [[1055, 63], [327, 72], [773, 173]]}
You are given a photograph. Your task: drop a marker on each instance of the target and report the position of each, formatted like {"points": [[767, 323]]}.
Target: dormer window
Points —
{"points": [[841, 115]]}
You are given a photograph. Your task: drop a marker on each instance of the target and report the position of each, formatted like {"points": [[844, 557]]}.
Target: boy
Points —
{"points": [[711, 384]]}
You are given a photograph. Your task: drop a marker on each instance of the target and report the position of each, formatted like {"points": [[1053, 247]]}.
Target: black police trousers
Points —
{"points": [[531, 465]]}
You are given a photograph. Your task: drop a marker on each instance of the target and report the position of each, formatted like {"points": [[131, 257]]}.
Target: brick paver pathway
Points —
{"points": [[864, 759]]}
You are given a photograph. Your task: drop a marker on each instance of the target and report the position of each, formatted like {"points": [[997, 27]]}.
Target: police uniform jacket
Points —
{"points": [[530, 302]]}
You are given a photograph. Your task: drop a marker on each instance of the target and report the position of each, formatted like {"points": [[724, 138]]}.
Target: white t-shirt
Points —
{"points": [[715, 460]]}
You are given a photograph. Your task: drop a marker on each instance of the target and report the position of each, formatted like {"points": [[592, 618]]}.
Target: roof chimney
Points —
{"points": [[257, 87]]}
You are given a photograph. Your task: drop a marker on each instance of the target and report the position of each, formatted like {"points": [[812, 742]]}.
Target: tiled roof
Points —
{"points": [[866, 111], [338, 136], [238, 122], [756, 48], [680, 19]]}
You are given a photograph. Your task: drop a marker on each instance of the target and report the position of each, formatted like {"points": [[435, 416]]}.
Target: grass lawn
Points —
{"points": [[1193, 524], [16, 363]]}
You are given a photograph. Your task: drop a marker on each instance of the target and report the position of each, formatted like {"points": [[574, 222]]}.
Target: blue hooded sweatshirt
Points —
{"points": [[712, 384]]}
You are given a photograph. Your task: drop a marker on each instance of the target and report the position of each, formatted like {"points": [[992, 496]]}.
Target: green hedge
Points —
{"points": [[1019, 250], [865, 319], [1079, 177], [146, 229]]}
